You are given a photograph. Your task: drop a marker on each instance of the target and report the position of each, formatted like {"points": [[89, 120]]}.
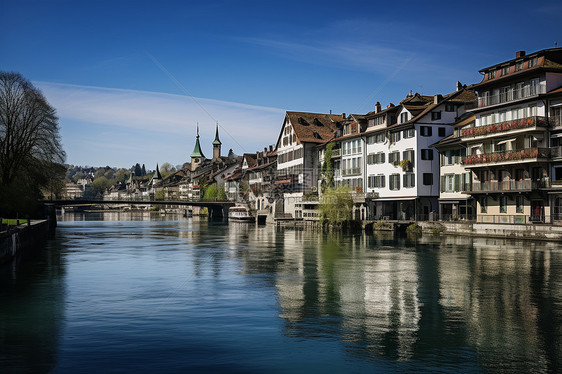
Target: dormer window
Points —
{"points": [[533, 62], [492, 74], [505, 70], [404, 117], [518, 66]]}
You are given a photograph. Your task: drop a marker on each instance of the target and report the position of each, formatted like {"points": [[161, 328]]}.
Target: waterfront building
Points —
{"points": [[402, 167], [297, 157], [513, 146], [455, 179]]}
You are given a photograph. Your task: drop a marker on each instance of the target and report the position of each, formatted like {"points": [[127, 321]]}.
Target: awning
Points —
{"points": [[559, 135], [506, 141]]}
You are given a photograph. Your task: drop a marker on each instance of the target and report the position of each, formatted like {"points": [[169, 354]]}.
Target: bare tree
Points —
{"points": [[30, 147]]}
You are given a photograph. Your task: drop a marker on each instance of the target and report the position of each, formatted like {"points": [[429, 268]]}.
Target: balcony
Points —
{"points": [[507, 97], [506, 157], [530, 122], [556, 153], [523, 185]]}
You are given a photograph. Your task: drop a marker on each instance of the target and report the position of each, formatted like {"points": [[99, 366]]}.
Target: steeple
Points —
{"points": [[197, 156], [216, 145]]}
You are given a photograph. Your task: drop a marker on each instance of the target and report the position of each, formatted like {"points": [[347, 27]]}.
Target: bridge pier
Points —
{"points": [[216, 213]]}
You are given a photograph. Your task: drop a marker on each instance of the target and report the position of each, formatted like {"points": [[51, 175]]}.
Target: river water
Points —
{"points": [[181, 295]]}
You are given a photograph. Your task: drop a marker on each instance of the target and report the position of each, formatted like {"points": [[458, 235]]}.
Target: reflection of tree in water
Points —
{"points": [[32, 310]]}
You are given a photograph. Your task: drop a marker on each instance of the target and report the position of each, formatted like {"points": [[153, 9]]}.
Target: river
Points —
{"points": [[126, 293]]}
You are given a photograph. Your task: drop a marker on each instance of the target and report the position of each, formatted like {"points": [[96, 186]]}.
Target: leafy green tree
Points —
{"points": [[110, 174], [99, 185], [121, 175], [159, 195], [77, 176], [221, 195], [328, 167], [211, 193], [336, 206], [30, 147], [166, 169]]}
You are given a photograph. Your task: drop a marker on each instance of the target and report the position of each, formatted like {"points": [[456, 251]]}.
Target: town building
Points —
{"points": [[297, 157], [513, 145]]}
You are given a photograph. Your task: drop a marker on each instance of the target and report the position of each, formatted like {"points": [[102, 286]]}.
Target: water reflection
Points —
{"points": [[390, 303], [491, 301]]}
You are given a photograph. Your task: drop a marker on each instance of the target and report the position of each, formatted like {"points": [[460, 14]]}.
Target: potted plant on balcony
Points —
{"points": [[406, 165]]}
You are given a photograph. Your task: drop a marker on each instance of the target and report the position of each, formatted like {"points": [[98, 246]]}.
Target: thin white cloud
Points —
{"points": [[153, 121]]}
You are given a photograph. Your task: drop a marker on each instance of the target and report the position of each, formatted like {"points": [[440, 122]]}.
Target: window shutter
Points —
{"points": [[442, 183], [457, 182]]}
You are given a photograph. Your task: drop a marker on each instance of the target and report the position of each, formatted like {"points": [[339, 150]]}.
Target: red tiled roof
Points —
{"points": [[314, 127]]}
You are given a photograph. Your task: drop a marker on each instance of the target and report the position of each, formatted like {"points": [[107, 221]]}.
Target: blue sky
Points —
{"points": [[131, 79]]}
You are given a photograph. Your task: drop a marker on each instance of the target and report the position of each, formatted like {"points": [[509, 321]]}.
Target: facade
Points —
{"points": [[402, 167], [297, 156], [513, 145]]}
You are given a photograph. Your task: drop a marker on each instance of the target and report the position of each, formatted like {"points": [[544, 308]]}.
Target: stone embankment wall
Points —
{"points": [[22, 238], [537, 232]]}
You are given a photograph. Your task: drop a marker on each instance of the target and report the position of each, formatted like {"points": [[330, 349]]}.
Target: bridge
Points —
{"points": [[217, 209]]}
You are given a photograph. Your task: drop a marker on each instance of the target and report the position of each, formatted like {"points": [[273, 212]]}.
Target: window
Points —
{"points": [[410, 133], [425, 130], [427, 179], [441, 132], [519, 204], [533, 62], [505, 70], [448, 183], [376, 121], [394, 181], [409, 180], [435, 116], [449, 107], [375, 158], [518, 66], [484, 205], [427, 154], [376, 181], [404, 117], [394, 136], [394, 157], [408, 154], [503, 204], [492, 74]]}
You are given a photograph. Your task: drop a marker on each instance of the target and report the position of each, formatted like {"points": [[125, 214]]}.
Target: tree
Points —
{"points": [[211, 193], [221, 195], [327, 167], [99, 185], [30, 147], [166, 169], [121, 175], [336, 206]]}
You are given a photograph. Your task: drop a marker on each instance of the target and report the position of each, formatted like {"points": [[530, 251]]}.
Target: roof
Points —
{"points": [[217, 140], [547, 60], [197, 149], [313, 127], [251, 159]]}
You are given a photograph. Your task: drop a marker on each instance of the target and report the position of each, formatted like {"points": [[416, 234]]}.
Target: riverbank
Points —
{"points": [[508, 231], [22, 238]]}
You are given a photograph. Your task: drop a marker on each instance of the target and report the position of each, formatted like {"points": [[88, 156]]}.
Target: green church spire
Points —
{"points": [[197, 150], [217, 140]]}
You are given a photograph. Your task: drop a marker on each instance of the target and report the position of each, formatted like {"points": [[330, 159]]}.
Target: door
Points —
{"points": [[537, 211]]}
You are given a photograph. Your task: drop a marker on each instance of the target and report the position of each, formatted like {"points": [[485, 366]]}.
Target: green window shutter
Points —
{"points": [[457, 182], [442, 183]]}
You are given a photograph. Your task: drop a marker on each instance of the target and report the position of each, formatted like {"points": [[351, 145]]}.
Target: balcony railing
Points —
{"points": [[556, 152], [506, 156], [506, 97], [523, 185], [505, 126]]}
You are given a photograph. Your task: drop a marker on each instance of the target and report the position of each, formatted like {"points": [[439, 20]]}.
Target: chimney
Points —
{"points": [[270, 148], [377, 107], [519, 54], [390, 105], [343, 115], [437, 99], [459, 86]]}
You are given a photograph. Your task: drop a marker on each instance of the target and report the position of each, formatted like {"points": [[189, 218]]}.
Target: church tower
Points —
{"points": [[216, 145], [197, 155]]}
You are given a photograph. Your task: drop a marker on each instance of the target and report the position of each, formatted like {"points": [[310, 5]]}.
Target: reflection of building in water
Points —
{"points": [[391, 300], [493, 288], [367, 296]]}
